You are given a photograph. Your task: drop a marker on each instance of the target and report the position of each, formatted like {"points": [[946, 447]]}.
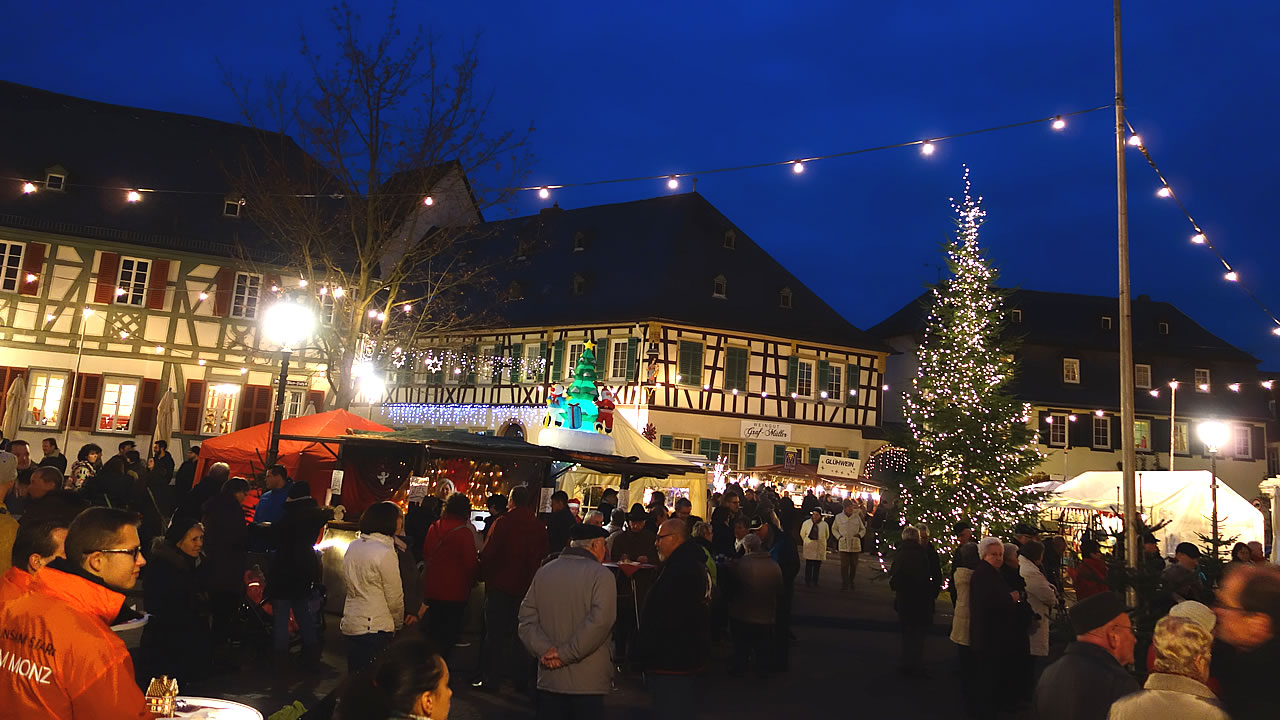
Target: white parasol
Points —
{"points": [[15, 405], [164, 417]]}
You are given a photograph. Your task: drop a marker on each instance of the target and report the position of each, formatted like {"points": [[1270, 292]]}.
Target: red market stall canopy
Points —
{"points": [[308, 447]]}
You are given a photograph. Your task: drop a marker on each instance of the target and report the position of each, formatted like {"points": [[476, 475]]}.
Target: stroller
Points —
{"points": [[259, 616]]}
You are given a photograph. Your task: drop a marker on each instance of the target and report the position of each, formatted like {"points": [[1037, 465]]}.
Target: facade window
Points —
{"points": [[618, 359], [719, 287], [1181, 433], [119, 397], [730, 239], [1242, 436], [1273, 462], [784, 298], [1202, 380], [487, 370], [579, 284], [682, 445], [1101, 431], [1015, 316], [10, 266], [244, 299], [735, 368], [1142, 376], [579, 242], [1071, 371], [131, 282], [833, 453], [804, 379], [835, 384], [575, 352], [1142, 435], [295, 403], [1163, 328], [231, 208], [1057, 430], [328, 306], [732, 454], [1106, 322], [47, 390], [533, 370], [220, 403], [55, 181]]}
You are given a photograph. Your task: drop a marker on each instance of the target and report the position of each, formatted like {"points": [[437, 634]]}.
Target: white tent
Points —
{"points": [[1183, 497]]}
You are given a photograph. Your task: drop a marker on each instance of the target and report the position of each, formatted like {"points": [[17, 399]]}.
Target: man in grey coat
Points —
{"points": [[565, 621]]}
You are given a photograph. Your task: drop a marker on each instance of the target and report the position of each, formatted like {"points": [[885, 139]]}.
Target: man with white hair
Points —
{"points": [[565, 621], [1176, 688]]}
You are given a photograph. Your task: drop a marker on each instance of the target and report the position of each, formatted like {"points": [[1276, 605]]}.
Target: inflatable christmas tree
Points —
{"points": [[571, 416], [582, 391]]}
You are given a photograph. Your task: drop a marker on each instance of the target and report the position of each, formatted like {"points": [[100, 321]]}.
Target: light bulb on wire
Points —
{"points": [[1198, 238], [544, 193], [28, 188], [1135, 140], [1231, 276], [673, 183], [797, 167], [1164, 191], [926, 148], [1059, 123]]}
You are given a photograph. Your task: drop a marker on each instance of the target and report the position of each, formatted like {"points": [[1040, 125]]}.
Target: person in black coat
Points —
{"points": [[913, 581], [559, 522], [226, 542], [1090, 675], [998, 628], [185, 477], [295, 570], [111, 486], [176, 640]]}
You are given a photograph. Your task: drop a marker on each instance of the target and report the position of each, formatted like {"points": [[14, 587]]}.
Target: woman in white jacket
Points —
{"points": [[849, 527], [1040, 593], [814, 532], [374, 610], [966, 560]]}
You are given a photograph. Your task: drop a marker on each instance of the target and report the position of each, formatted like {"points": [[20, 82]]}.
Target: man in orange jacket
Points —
{"points": [[37, 545], [58, 655]]}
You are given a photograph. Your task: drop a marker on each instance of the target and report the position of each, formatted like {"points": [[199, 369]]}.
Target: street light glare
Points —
{"points": [[1213, 434], [288, 323]]}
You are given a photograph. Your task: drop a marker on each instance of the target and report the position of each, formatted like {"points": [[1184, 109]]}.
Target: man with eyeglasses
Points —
{"points": [[1247, 653], [58, 655], [1090, 675]]}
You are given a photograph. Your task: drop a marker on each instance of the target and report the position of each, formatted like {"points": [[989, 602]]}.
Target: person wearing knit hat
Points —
{"points": [[1090, 675], [176, 638]]}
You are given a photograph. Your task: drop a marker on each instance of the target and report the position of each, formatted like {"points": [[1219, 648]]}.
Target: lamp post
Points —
{"points": [[1173, 424], [287, 323], [1214, 435]]}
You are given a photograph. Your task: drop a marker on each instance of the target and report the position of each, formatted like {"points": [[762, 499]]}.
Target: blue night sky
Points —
{"points": [[625, 89]]}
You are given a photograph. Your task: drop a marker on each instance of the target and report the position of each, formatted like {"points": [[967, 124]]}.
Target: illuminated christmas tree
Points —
{"points": [[582, 392], [972, 448]]}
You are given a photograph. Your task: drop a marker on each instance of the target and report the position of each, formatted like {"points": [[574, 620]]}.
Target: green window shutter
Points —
{"points": [[517, 359], [852, 379], [853, 454], [709, 448], [815, 454], [824, 376], [602, 359], [665, 442], [633, 356], [557, 361], [542, 355], [471, 352], [735, 368], [748, 456], [779, 454], [690, 365], [793, 373]]}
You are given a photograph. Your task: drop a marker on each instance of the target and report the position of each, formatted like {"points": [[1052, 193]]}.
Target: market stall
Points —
{"points": [[1183, 498], [802, 477]]}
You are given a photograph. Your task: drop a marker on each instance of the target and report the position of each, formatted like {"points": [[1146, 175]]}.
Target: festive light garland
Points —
{"points": [[460, 415]]}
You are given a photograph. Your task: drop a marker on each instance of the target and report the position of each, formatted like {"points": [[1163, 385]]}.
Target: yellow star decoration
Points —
{"points": [[589, 345]]}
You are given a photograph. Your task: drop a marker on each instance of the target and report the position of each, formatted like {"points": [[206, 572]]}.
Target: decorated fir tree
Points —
{"points": [[582, 392], [971, 445]]}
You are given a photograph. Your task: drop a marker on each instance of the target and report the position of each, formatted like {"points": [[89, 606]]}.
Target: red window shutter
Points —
{"points": [[255, 406], [315, 398], [32, 264], [224, 283], [192, 406], [108, 272], [83, 413], [157, 284], [145, 414]]}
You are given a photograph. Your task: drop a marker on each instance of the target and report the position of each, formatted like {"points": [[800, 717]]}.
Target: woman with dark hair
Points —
{"points": [[1240, 556], [374, 610], [88, 462], [408, 681], [177, 637], [226, 542], [449, 554]]}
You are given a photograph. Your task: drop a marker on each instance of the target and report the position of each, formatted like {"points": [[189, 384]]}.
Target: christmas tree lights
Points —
{"points": [[971, 448]]}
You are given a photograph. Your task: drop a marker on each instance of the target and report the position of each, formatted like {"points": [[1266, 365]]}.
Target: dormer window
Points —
{"points": [[579, 242], [579, 284], [515, 291], [55, 181], [730, 239], [1106, 322], [784, 298], [719, 287], [1015, 316], [231, 208], [1163, 328]]}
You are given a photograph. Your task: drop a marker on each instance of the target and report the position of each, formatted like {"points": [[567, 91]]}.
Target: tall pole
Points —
{"points": [[1213, 490], [66, 431], [273, 452], [1130, 455], [1173, 425]]}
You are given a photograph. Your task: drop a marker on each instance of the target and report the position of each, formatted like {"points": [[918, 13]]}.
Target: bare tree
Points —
{"points": [[375, 207]]}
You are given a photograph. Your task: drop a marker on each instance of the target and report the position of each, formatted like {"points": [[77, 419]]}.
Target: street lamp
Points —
{"points": [[287, 323], [1214, 435]]}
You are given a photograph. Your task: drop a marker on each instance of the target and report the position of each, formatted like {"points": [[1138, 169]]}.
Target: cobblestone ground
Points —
{"points": [[844, 659]]}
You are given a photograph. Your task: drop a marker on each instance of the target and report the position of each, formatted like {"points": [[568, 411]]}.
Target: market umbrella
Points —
{"points": [[15, 405], [164, 417]]}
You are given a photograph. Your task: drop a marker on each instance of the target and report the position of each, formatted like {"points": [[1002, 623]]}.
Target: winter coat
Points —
{"points": [[69, 662], [1091, 578], [270, 506], [183, 480], [1165, 697], [849, 531], [997, 623], [815, 549], [512, 552], [783, 551], [174, 595], [1247, 678], [909, 577], [1041, 596], [677, 607], [960, 618], [375, 598], [56, 460], [295, 567], [451, 560], [558, 526], [753, 586], [410, 577], [226, 542], [1082, 685], [571, 605], [109, 488], [635, 544]]}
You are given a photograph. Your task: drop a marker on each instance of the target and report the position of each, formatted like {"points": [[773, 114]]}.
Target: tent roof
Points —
{"points": [[299, 435]]}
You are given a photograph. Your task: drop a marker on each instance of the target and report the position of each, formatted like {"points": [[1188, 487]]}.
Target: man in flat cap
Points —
{"points": [[1024, 533], [1090, 675]]}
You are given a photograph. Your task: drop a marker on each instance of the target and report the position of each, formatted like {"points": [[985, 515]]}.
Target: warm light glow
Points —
{"points": [[794, 396], [338, 292], [227, 389], [764, 394], [1234, 387], [159, 349], [382, 316], [1173, 384], [823, 394], [706, 387], [926, 148], [884, 388], [1135, 140], [275, 288], [133, 196], [1059, 123], [49, 317], [288, 324], [1198, 238], [673, 183], [1049, 419], [28, 188], [544, 193], [1155, 393], [1275, 331], [408, 307], [1164, 192], [204, 295], [1267, 384], [119, 291], [428, 200], [373, 313], [31, 277], [735, 391], [87, 312], [124, 334], [302, 283], [1231, 276], [1099, 413], [244, 370], [201, 361], [1213, 434], [1204, 387], [324, 291], [1072, 418], [797, 167]]}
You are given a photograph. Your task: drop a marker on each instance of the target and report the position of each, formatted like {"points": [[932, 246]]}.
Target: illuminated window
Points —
{"points": [[220, 402], [804, 379], [10, 266], [1202, 380], [835, 384], [295, 403], [48, 388], [1071, 371], [1180, 434], [1142, 435], [244, 300], [488, 370], [618, 359], [533, 364], [132, 280], [119, 397], [575, 352], [1142, 376]]}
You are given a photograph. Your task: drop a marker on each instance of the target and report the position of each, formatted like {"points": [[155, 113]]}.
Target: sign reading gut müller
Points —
{"points": [[761, 430]]}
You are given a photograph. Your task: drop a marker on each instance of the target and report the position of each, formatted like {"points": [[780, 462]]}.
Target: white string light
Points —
{"points": [[797, 167], [926, 148], [673, 183]]}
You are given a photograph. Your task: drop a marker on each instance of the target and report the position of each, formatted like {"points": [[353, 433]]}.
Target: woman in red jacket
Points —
{"points": [[451, 561], [1091, 576]]}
